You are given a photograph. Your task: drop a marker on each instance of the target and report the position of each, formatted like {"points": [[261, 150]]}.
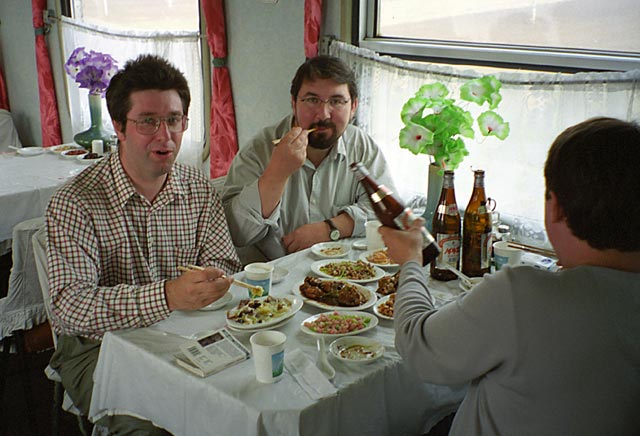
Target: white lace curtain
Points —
{"points": [[182, 49], [538, 107]]}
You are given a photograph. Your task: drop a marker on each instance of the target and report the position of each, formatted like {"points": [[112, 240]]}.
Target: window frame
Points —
{"points": [[364, 33]]}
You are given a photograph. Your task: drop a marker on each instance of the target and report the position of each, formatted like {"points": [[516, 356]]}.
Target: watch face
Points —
{"points": [[334, 235]]}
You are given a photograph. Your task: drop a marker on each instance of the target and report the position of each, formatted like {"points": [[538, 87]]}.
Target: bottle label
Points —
{"points": [[485, 255], [449, 249], [450, 209]]}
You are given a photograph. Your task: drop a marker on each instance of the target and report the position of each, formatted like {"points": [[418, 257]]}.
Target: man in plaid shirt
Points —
{"points": [[118, 231]]}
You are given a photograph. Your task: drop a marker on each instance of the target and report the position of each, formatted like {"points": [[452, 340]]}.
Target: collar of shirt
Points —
{"points": [[124, 188]]}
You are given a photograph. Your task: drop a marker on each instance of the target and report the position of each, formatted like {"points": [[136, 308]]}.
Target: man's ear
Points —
{"points": [[556, 210], [118, 127]]}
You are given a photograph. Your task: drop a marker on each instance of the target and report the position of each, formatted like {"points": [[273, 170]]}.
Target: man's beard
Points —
{"points": [[320, 141]]}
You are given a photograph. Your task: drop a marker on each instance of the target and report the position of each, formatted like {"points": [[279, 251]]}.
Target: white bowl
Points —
{"points": [[356, 349], [73, 153], [82, 159], [58, 149], [330, 250], [30, 151]]}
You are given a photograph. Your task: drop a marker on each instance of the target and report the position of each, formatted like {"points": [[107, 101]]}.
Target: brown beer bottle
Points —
{"points": [[476, 232], [392, 212], [446, 230]]}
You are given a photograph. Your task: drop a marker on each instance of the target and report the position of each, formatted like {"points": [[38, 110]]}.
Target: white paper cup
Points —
{"points": [[259, 274], [374, 240], [505, 255], [268, 355]]}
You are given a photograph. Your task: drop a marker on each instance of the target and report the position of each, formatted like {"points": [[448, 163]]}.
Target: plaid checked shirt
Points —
{"points": [[110, 250]]}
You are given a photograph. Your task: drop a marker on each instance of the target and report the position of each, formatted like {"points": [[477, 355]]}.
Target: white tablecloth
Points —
{"points": [[27, 183], [136, 375]]}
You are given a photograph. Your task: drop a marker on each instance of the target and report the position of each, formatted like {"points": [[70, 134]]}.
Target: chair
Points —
{"points": [[61, 400], [8, 133]]}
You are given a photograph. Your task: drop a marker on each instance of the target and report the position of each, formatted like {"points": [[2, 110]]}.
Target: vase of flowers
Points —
{"points": [[436, 125], [92, 70]]}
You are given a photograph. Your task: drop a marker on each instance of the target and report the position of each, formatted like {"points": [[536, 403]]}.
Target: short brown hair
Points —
{"points": [[325, 67]]}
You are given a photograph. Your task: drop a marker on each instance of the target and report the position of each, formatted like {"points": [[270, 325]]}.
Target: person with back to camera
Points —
{"points": [[545, 353], [119, 230], [286, 197]]}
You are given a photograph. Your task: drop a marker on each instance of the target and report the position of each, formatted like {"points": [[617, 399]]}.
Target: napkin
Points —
{"points": [[308, 376]]}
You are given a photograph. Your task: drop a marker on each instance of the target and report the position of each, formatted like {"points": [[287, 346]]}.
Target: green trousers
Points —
{"points": [[75, 360]]}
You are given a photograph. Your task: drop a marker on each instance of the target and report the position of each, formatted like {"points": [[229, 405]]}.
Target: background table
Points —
{"points": [[136, 374], [27, 183]]}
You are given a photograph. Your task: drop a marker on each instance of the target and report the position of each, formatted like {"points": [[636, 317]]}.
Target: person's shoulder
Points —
{"points": [[190, 176], [355, 136], [85, 185]]}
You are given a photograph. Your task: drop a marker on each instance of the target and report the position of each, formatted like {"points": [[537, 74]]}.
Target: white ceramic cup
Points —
{"points": [[268, 355], [374, 240], [259, 274], [505, 255]]}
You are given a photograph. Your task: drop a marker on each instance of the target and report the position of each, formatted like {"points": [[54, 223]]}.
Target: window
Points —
{"points": [[126, 29], [547, 34]]}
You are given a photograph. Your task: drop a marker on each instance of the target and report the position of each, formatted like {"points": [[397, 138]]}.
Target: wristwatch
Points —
{"points": [[334, 233]]}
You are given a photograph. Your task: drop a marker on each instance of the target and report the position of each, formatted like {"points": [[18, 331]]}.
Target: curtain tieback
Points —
{"points": [[219, 62]]}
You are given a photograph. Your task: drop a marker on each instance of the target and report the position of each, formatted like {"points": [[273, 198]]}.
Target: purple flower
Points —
{"points": [[91, 70]]}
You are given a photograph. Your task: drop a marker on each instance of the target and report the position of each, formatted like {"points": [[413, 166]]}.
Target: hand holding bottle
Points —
{"points": [[404, 245]]}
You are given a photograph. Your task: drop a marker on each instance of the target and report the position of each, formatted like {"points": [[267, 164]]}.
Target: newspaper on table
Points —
{"points": [[212, 353]]}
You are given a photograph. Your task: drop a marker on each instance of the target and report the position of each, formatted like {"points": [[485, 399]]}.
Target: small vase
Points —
{"points": [[95, 131], [434, 187]]}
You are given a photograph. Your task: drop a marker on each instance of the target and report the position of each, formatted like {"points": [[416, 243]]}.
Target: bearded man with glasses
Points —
{"points": [[119, 230], [290, 187]]}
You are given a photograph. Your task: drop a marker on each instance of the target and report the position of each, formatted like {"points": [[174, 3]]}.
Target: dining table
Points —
{"points": [[27, 182], [137, 374]]}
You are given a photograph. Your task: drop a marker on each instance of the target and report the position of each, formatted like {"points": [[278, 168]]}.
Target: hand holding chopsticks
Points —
{"points": [[255, 289], [277, 141]]}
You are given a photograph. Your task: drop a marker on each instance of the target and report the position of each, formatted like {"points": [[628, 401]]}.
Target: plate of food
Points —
{"points": [[89, 158], [29, 151], [339, 323], [384, 307], [353, 271], [58, 149], [356, 349], [260, 313], [333, 294], [330, 250], [219, 303], [73, 153], [379, 258], [388, 284]]}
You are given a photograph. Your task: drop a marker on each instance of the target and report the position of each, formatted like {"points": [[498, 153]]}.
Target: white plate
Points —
{"points": [[57, 149], [279, 274], [371, 297], [364, 256], [219, 303], [89, 161], [257, 329], [380, 302], [296, 305], [373, 321], [315, 267], [371, 349], [474, 281], [324, 250], [30, 151], [360, 244], [65, 154]]}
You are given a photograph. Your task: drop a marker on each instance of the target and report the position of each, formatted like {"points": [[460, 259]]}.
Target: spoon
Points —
{"points": [[465, 278], [323, 363]]}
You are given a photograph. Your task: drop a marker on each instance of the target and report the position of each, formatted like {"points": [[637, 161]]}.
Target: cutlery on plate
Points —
{"points": [[255, 290], [322, 362], [465, 278], [277, 141]]}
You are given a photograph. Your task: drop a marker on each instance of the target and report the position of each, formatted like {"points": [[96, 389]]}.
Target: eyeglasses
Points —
{"points": [[316, 103], [150, 125]]}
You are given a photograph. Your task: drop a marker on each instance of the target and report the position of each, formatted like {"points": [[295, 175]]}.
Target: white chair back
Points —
{"points": [[8, 133]]}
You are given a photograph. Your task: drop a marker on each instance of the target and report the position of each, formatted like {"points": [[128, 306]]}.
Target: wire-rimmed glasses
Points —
{"points": [[150, 125], [333, 102]]}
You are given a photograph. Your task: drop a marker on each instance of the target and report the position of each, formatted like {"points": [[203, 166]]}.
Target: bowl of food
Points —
{"points": [[73, 153], [59, 149], [89, 158], [356, 349]]}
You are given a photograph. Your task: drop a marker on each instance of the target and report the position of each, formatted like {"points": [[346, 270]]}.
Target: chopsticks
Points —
{"points": [[532, 249], [277, 141], [236, 281]]}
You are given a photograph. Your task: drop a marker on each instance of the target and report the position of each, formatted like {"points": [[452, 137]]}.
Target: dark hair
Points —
{"points": [[593, 169], [145, 72], [325, 67]]}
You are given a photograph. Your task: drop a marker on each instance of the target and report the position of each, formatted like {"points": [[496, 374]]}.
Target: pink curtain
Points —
{"points": [[223, 140], [49, 119], [4, 99], [312, 22]]}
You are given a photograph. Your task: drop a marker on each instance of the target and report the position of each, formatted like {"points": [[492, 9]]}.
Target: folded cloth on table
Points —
{"points": [[308, 376]]}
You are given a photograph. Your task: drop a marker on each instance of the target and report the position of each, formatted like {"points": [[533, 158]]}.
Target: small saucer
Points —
{"points": [[360, 244], [279, 274]]}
